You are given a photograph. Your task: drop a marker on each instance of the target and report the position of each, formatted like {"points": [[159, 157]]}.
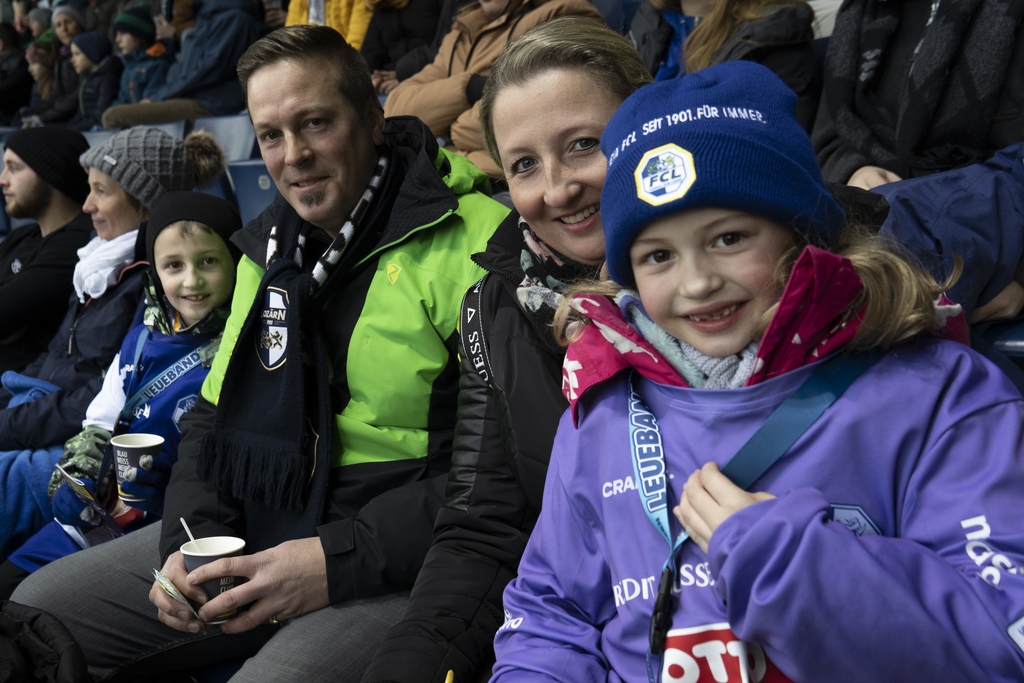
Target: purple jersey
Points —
{"points": [[892, 553]]}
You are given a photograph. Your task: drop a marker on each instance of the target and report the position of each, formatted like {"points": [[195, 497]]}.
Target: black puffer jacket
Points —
{"points": [[782, 40], [87, 341], [36, 646], [96, 93], [393, 33], [502, 445]]}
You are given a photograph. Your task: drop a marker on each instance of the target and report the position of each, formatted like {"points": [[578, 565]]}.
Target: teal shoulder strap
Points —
{"points": [[795, 416]]}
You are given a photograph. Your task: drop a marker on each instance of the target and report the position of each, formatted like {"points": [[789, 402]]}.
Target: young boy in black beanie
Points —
{"points": [[42, 180]]}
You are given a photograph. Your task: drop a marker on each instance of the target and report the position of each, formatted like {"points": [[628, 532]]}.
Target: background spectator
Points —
{"points": [[41, 56], [38, 21], [544, 109], [145, 61], [350, 18], [397, 28], [99, 73], [202, 80], [67, 23], [676, 37], [99, 15], [445, 94], [881, 120], [43, 181], [412, 62], [15, 79]]}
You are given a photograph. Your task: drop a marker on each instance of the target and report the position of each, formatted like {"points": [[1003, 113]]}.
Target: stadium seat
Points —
{"points": [[234, 133], [175, 128], [254, 188], [98, 137]]}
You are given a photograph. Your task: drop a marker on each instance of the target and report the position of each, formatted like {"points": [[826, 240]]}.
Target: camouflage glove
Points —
{"points": [[83, 454]]}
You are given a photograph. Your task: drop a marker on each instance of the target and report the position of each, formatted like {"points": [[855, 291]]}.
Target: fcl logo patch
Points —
{"points": [[664, 174], [272, 340], [713, 654]]}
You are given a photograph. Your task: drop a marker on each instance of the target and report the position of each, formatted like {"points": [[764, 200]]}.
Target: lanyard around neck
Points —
{"points": [[784, 426]]}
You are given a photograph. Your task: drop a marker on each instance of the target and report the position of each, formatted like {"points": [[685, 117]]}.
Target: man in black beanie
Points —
{"points": [[43, 181]]}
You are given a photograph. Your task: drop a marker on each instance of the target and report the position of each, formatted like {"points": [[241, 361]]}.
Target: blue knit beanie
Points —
{"points": [[94, 45], [722, 137]]}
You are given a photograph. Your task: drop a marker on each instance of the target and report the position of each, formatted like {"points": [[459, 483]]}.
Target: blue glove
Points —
{"points": [[68, 509], [148, 481]]}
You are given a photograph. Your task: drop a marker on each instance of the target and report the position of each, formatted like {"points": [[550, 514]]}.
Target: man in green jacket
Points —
{"points": [[323, 433]]}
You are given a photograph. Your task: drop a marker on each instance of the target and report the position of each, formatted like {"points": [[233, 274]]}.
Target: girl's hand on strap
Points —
{"points": [[708, 499]]}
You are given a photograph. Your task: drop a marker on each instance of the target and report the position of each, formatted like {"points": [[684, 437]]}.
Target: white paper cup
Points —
{"points": [[204, 551], [128, 448]]}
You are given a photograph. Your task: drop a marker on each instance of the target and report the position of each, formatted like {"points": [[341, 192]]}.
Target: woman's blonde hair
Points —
{"points": [[719, 26], [898, 297], [580, 43]]}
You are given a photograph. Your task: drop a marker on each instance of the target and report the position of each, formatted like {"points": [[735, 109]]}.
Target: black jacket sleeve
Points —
{"points": [[374, 49], [502, 446], [381, 549], [797, 66], [837, 159]]}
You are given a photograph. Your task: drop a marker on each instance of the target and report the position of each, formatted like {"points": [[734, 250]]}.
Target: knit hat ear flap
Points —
{"points": [[723, 137]]}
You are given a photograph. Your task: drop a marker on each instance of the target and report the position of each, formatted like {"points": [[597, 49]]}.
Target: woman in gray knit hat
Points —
{"points": [[127, 175]]}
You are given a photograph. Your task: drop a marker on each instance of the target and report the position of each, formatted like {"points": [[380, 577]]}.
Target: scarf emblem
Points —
{"points": [[272, 340]]}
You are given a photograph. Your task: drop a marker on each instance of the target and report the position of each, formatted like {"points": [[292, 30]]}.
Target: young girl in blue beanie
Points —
{"points": [[774, 468]]}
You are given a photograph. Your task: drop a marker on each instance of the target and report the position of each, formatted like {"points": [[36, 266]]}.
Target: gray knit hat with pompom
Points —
{"points": [[147, 162]]}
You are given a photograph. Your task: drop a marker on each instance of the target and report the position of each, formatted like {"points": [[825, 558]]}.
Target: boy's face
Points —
{"points": [[80, 62], [707, 276], [195, 270], [127, 43]]}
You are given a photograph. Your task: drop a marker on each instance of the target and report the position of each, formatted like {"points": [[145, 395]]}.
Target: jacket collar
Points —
{"points": [[503, 255]]}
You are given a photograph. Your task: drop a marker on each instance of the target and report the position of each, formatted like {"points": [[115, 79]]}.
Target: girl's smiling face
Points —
{"points": [[707, 276], [547, 131], [195, 270]]}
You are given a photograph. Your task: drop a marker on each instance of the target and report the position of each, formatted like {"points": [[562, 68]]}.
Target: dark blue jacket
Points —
{"points": [[143, 75], [89, 337], [96, 92], [975, 212], [204, 70]]}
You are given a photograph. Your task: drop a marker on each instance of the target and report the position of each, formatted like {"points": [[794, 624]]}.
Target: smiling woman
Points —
{"points": [[543, 110]]}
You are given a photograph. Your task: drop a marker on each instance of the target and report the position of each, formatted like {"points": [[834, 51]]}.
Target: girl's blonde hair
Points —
{"points": [[580, 43], [898, 297], [719, 26]]}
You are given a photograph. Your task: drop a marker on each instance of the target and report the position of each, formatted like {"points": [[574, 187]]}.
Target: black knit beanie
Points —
{"points": [[53, 154], [213, 212]]}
